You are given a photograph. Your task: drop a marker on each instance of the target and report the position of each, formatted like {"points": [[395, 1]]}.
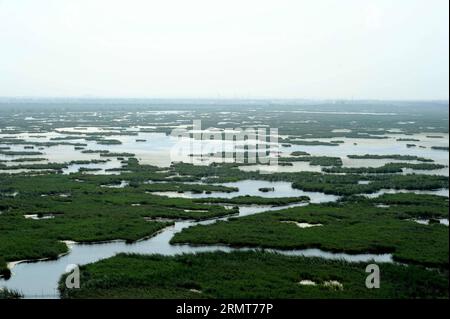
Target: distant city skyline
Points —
{"points": [[266, 49]]}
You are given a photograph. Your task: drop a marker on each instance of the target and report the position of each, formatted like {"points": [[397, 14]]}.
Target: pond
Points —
{"points": [[251, 188]]}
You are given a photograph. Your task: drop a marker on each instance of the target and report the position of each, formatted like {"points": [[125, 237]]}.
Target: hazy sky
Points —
{"points": [[382, 49]]}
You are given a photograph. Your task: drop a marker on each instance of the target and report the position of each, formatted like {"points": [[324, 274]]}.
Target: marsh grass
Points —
{"points": [[356, 227], [89, 214], [247, 275]]}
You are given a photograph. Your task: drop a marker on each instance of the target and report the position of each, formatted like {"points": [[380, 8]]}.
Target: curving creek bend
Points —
{"points": [[39, 279]]}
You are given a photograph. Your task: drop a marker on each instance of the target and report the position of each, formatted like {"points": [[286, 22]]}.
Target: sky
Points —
{"points": [[314, 49]]}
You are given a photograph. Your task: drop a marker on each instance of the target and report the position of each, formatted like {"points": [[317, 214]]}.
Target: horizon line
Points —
{"points": [[223, 98]]}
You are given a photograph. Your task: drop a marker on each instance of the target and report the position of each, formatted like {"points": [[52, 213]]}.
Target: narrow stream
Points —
{"points": [[39, 279]]}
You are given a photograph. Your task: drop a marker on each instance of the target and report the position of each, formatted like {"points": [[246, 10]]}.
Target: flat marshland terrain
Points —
{"points": [[97, 184]]}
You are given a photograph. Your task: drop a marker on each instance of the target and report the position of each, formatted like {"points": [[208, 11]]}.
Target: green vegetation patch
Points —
{"points": [[358, 227], [310, 143], [83, 212], [314, 160], [110, 154], [388, 168], [395, 157], [181, 188], [20, 153], [407, 140], [336, 184], [255, 200], [440, 148], [299, 153], [29, 159], [109, 142], [248, 275]]}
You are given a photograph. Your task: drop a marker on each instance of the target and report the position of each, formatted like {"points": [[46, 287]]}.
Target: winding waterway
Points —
{"points": [[40, 279]]}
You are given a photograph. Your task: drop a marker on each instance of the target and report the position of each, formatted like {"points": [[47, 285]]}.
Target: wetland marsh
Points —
{"points": [[83, 183]]}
